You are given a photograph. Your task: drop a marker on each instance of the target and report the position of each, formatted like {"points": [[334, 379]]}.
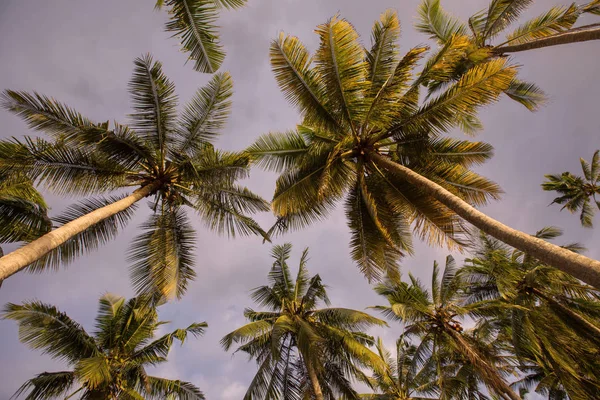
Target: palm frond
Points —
{"points": [[278, 151], [193, 22], [555, 20], [502, 13], [205, 115], [436, 23], [528, 94], [382, 56], [47, 386], [44, 327], [162, 256], [161, 388]]}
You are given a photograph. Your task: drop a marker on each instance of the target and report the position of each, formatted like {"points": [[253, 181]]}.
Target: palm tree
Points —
{"points": [[365, 137], [402, 380], [554, 27], [169, 159], [576, 192], [108, 364], [436, 319], [303, 351], [551, 319], [192, 21]]}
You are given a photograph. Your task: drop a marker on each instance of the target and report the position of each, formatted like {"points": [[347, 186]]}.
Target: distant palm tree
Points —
{"points": [[436, 319], [193, 22], [577, 192], [365, 138], [402, 380], [110, 363], [551, 320], [302, 350], [553, 27], [167, 158]]}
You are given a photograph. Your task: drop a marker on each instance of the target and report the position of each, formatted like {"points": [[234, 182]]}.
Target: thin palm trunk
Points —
{"points": [[580, 34], [487, 371], [593, 329], [314, 381], [17, 260], [581, 267]]}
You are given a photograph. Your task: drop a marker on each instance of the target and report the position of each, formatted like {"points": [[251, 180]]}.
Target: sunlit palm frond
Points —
{"points": [[436, 23], [502, 13]]}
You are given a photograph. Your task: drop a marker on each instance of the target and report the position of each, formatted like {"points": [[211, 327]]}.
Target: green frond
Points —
{"points": [[595, 168], [159, 348], [587, 214], [479, 86], [193, 22], [230, 4], [90, 239], [46, 114], [94, 372], [436, 23], [340, 65], [109, 308], [162, 259], [211, 168], [62, 168], [460, 152], [156, 388], [555, 20], [501, 13], [441, 67], [44, 327], [154, 102], [528, 94], [47, 386], [345, 318], [278, 151], [383, 54], [225, 210], [388, 102], [593, 7], [245, 333], [585, 167], [204, 116]]}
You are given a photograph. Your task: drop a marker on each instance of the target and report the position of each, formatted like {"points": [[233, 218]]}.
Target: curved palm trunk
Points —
{"points": [[580, 34], [17, 260], [314, 381], [581, 267], [487, 371]]}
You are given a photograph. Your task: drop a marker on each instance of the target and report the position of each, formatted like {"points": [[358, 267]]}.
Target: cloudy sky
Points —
{"points": [[82, 52]]}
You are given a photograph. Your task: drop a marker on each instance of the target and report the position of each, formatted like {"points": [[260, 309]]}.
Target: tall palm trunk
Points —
{"points": [[17, 260], [489, 374], [580, 34], [314, 381], [581, 267]]}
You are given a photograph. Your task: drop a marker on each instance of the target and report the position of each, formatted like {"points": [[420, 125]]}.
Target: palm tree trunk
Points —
{"points": [[314, 381], [17, 260], [581, 267], [580, 34], [488, 372]]}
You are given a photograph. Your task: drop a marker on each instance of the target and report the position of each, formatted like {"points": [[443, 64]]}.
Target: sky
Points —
{"points": [[82, 52]]}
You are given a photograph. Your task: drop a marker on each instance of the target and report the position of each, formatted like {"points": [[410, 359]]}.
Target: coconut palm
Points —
{"points": [[576, 191], [553, 27], [303, 351], [402, 380], [436, 319], [364, 137], [111, 362], [170, 160], [193, 22], [551, 319]]}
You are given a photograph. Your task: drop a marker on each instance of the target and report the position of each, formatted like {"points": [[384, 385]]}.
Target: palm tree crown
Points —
{"points": [[169, 158], [576, 191], [357, 104], [110, 363], [302, 350]]}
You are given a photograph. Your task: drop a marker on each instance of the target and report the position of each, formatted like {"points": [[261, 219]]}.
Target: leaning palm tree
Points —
{"points": [[365, 137], [403, 379], [193, 22], [577, 192], [551, 320], [303, 351], [170, 160], [436, 319], [108, 364], [554, 27]]}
